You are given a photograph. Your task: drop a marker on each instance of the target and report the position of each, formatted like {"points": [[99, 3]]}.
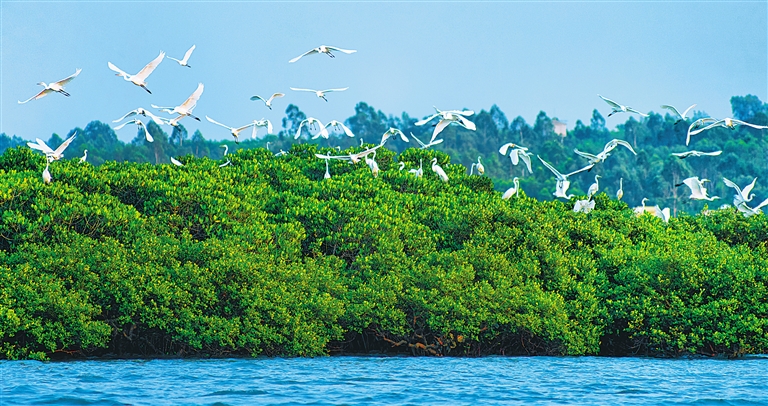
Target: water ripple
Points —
{"points": [[387, 380]]}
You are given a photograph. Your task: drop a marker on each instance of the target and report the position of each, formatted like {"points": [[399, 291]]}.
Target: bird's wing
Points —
{"points": [[116, 69], [765, 202], [346, 130], [69, 78], [526, 158], [625, 144], [310, 52], [40, 145], [187, 55], [423, 145], [218, 123], [695, 185], [41, 94], [303, 90], [298, 131], [65, 144], [156, 119], [176, 162], [144, 73], [257, 97], [128, 114], [244, 127], [586, 168], [683, 155], [611, 102], [558, 175], [174, 59], [124, 124], [275, 96], [191, 101], [687, 110], [636, 111], [713, 153], [586, 155], [335, 90], [748, 189], [402, 136], [426, 120], [439, 127], [504, 148], [466, 123], [749, 124], [346, 51], [147, 135], [673, 109], [514, 156]]}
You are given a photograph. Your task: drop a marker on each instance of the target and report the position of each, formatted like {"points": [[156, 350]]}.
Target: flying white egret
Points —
{"points": [[584, 206], [185, 109], [439, 171], [447, 117], [323, 49], [53, 87], [138, 122], [353, 157], [425, 146], [696, 124], [84, 157], [727, 123], [261, 124], [593, 188], [417, 172], [618, 108], [620, 192], [183, 62], [268, 102], [391, 133], [143, 112], [338, 125], [749, 211], [681, 116], [698, 191], [47, 174], [232, 130], [513, 190], [312, 122], [371, 162], [686, 154], [602, 155], [562, 180], [516, 154], [176, 162], [139, 79], [51, 154], [320, 93], [742, 195]]}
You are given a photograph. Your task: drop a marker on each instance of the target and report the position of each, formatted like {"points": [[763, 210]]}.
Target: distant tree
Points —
{"points": [[597, 123], [745, 107], [9, 142], [367, 122], [499, 118], [179, 134], [293, 118], [543, 126]]}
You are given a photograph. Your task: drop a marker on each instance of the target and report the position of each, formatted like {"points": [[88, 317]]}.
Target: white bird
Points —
{"points": [[320, 93], [143, 112], [324, 49], [53, 87], [686, 154], [353, 157], [425, 146], [641, 209], [84, 157], [516, 154], [226, 148], [261, 124], [513, 190], [401, 165], [51, 154], [727, 123], [391, 133], [618, 108], [593, 188], [139, 79], [138, 122], [232, 130], [312, 122], [620, 192], [268, 102], [176, 162], [47, 174], [698, 191], [183, 62], [696, 124], [417, 172], [226, 163], [447, 117], [371, 162], [602, 155], [584, 206], [749, 211], [338, 125], [742, 195], [327, 171], [439, 171], [479, 166], [681, 116], [562, 180], [185, 109], [662, 214]]}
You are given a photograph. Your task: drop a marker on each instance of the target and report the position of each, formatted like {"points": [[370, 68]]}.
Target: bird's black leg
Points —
{"points": [[145, 88]]}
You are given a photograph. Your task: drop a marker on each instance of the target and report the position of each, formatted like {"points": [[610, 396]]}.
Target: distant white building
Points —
{"points": [[560, 127]]}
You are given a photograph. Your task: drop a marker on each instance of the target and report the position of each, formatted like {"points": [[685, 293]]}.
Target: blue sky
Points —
{"points": [[522, 56]]}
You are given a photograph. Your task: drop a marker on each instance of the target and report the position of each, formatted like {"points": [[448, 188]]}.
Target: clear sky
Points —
{"points": [[522, 56]]}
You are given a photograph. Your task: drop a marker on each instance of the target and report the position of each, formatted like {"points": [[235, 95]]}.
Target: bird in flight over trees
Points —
{"points": [[618, 108], [53, 87], [51, 154], [268, 102], [185, 109], [139, 79]]}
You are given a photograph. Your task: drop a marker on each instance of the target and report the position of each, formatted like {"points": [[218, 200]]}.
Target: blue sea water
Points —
{"points": [[387, 381]]}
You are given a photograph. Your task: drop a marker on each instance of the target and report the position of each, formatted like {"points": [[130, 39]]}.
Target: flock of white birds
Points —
{"points": [[317, 129]]}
